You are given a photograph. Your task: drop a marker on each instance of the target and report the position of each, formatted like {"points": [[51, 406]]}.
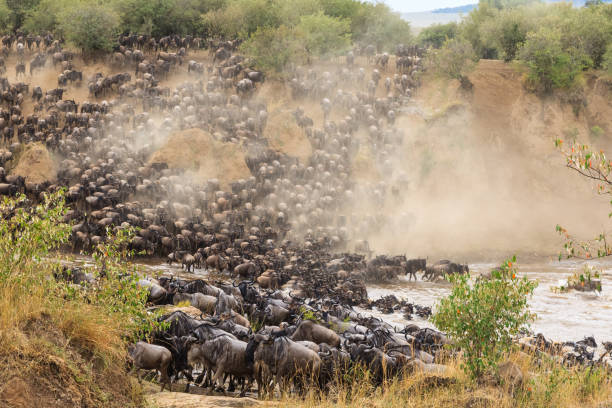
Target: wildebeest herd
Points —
{"points": [[281, 235]]}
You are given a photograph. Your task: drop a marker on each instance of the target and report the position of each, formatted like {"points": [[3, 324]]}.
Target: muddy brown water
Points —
{"points": [[567, 316], [560, 316]]}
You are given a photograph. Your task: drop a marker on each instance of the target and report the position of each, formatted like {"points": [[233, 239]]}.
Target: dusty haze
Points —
{"points": [[483, 177]]}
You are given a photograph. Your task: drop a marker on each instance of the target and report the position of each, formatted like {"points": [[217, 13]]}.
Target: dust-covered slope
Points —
{"points": [[483, 175]]}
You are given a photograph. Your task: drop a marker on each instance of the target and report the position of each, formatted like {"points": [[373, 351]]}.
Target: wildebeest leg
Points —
{"points": [[200, 377], [218, 376], [246, 385], [163, 379], [189, 378], [232, 386]]}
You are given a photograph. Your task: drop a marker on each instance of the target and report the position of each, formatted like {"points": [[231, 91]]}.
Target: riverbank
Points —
{"points": [[531, 381]]}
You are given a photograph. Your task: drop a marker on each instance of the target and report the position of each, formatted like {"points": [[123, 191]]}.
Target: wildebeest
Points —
{"points": [[415, 265], [151, 357], [281, 360], [224, 355], [442, 268], [309, 330]]}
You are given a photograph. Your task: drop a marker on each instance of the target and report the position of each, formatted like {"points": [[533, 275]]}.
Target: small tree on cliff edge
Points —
{"points": [[90, 27], [484, 316]]}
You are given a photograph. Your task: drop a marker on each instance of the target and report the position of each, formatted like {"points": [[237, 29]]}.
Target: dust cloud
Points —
{"points": [[468, 188]]}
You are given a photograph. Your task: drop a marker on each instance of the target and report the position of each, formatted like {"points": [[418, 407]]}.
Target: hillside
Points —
{"points": [[484, 176]]}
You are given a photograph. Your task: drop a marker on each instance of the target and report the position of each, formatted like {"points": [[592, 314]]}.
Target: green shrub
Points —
{"points": [[437, 34], [90, 27], [163, 17], [507, 31], [45, 16], [550, 65], [18, 10], [454, 60], [607, 61], [5, 17], [324, 35], [587, 29], [482, 317], [273, 49], [596, 131], [384, 29], [470, 30]]}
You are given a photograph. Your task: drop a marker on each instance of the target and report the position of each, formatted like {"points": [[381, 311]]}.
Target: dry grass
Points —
{"points": [[547, 384], [60, 352]]}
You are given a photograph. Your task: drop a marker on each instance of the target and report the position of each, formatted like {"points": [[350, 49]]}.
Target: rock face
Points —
{"points": [[202, 157]]}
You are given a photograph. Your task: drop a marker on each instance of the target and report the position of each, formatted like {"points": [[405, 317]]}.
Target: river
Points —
{"points": [[560, 316]]}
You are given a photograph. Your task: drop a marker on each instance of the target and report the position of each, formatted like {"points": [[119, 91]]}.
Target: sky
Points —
{"points": [[407, 6]]}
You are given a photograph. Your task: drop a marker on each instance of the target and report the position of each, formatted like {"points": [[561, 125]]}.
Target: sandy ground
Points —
{"points": [[182, 400]]}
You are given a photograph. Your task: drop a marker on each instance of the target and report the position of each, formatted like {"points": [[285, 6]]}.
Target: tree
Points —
{"points": [[435, 35], [242, 18], [5, 15], [385, 29], [18, 9], [324, 35], [483, 317], [550, 66], [45, 16], [163, 17], [589, 30], [470, 30], [90, 27], [273, 49], [507, 31], [454, 60]]}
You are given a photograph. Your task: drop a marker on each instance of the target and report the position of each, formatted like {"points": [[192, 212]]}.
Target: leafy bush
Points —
{"points": [[507, 31], [5, 16], [384, 29], [90, 27], [588, 29], [470, 30], [27, 235], [483, 317], [550, 65], [607, 61], [454, 60], [437, 34], [45, 16], [18, 10], [324, 35], [272, 49], [162, 17]]}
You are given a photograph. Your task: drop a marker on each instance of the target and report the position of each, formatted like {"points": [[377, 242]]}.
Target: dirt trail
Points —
{"points": [[182, 400]]}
